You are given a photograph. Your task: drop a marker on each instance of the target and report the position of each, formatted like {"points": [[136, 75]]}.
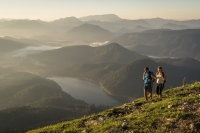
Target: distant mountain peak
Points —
{"points": [[89, 33], [68, 19], [86, 25], [114, 44], [104, 17]]}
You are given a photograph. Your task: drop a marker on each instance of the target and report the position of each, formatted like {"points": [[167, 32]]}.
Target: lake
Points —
{"points": [[84, 90]]}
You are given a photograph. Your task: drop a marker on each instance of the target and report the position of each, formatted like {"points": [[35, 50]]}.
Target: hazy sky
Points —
{"points": [[129, 9]]}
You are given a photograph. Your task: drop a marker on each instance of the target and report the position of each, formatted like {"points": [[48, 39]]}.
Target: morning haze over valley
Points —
{"points": [[80, 66]]}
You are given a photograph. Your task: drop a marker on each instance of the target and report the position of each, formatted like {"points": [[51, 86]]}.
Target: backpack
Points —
{"points": [[152, 80]]}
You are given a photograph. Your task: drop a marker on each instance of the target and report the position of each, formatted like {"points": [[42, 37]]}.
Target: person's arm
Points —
{"points": [[165, 77], [143, 77], [153, 76]]}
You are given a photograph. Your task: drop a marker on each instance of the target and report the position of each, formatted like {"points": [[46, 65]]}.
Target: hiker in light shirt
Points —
{"points": [[160, 80]]}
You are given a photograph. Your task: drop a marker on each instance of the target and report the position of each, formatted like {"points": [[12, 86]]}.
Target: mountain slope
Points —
{"points": [[64, 24], [179, 111], [92, 71], [124, 81], [28, 101], [127, 81], [182, 62], [179, 43], [70, 21], [23, 24], [7, 45], [85, 54], [125, 30], [116, 25], [89, 33], [22, 27], [22, 89], [158, 22]]}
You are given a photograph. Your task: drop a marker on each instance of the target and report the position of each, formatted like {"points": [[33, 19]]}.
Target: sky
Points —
{"points": [[49, 10]]}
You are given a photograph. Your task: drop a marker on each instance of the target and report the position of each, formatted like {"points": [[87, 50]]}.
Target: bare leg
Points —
{"points": [[145, 94], [150, 95]]}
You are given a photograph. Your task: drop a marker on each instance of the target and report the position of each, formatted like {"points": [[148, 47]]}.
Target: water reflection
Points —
{"points": [[89, 92]]}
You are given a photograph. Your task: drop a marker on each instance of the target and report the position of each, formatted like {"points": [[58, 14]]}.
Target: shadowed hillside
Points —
{"points": [[85, 54], [21, 89], [180, 43], [28, 101], [127, 81], [7, 45], [89, 33], [124, 81], [182, 62]]}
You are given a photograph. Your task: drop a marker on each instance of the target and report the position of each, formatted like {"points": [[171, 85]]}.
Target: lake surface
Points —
{"points": [[83, 90]]}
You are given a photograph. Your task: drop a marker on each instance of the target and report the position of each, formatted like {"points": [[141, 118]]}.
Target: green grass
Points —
{"points": [[141, 117]]}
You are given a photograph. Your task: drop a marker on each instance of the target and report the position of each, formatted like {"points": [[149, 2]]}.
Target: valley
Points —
{"points": [[71, 69]]}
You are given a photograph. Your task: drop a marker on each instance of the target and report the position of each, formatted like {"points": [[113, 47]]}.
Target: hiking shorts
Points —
{"points": [[148, 89]]}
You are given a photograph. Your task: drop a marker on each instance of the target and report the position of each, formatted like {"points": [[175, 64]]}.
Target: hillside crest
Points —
{"points": [[177, 112]]}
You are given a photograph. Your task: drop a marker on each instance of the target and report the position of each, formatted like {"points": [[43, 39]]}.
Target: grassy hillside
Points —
{"points": [[177, 112]]}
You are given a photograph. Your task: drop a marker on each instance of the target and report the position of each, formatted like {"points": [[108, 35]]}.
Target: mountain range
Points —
{"points": [[106, 17], [123, 81], [158, 22], [125, 30], [174, 26], [89, 33], [56, 30], [86, 54], [170, 43], [29, 100]]}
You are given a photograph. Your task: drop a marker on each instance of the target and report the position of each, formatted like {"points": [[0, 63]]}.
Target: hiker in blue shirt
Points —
{"points": [[148, 78]]}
